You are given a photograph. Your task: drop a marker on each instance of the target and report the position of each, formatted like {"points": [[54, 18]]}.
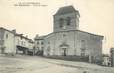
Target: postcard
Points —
{"points": [[56, 36]]}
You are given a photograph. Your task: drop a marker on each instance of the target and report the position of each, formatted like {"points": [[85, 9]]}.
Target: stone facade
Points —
{"points": [[23, 44], [66, 18], [112, 57], [39, 45], [106, 60], [7, 41], [68, 40], [73, 43], [11, 42]]}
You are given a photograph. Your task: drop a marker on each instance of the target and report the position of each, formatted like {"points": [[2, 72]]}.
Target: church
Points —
{"points": [[66, 38]]}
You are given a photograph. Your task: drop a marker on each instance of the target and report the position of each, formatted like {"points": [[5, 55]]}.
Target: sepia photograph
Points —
{"points": [[56, 36]]}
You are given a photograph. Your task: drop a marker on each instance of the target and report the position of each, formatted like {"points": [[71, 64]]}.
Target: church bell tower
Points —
{"points": [[66, 18]]}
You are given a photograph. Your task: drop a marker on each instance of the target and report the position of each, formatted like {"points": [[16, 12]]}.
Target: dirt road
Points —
{"points": [[35, 64]]}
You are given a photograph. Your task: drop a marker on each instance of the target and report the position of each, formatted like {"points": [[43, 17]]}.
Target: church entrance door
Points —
{"points": [[64, 51]]}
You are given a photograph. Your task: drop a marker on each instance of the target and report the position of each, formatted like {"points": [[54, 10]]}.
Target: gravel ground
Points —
{"points": [[35, 64]]}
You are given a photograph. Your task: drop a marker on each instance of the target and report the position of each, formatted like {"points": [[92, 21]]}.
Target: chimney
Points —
{"points": [[36, 37], [26, 36], [14, 31]]}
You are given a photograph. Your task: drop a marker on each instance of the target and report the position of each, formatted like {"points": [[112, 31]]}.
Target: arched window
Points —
{"points": [[6, 36], [37, 42], [61, 22], [83, 44], [83, 48], [42, 43], [68, 19], [83, 52]]}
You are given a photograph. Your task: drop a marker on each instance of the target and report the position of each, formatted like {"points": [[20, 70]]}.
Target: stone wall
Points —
{"points": [[72, 40]]}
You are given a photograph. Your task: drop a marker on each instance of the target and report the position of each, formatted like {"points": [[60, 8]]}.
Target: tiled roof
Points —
{"points": [[40, 38], [66, 9], [78, 31], [16, 34]]}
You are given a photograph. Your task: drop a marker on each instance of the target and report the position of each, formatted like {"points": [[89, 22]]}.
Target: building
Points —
{"points": [[112, 57], [24, 45], [39, 44], [12, 43], [67, 40], [106, 60], [7, 40]]}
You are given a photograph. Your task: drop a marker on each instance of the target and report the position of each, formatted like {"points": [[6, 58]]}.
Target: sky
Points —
{"points": [[96, 16]]}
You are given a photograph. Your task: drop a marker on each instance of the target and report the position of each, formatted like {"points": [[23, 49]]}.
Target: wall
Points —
{"points": [[9, 42], [93, 43], [74, 24], [1, 39], [49, 46], [23, 42], [112, 57]]}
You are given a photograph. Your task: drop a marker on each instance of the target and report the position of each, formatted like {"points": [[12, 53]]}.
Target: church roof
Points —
{"points": [[66, 9], [16, 34], [39, 38], [78, 31]]}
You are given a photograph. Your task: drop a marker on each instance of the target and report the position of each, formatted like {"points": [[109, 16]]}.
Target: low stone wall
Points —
{"points": [[70, 58]]}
